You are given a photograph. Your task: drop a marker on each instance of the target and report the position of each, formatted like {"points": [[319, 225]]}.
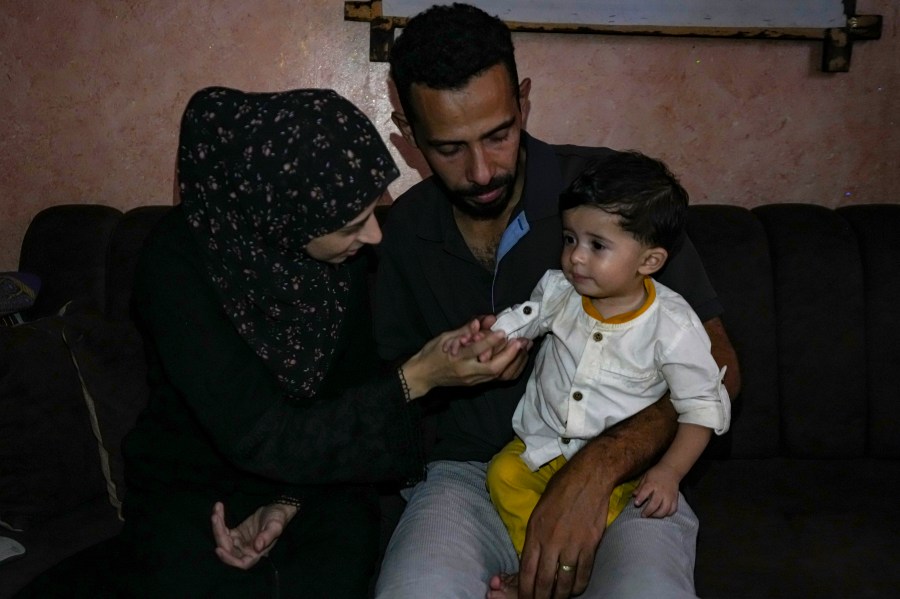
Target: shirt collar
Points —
{"points": [[649, 287]]}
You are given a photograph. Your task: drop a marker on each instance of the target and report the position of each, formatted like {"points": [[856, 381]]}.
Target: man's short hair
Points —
{"points": [[648, 199], [445, 46]]}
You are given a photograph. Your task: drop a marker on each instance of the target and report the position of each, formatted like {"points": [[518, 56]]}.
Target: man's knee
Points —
{"points": [[449, 540]]}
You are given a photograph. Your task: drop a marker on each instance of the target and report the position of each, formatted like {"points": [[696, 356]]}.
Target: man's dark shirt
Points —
{"points": [[429, 282]]}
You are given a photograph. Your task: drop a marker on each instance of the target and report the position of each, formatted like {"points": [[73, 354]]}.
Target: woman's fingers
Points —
{"points": [[220, 531]]}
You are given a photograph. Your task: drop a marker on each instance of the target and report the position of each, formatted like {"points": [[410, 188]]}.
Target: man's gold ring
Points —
{"points": [[566, 568]]}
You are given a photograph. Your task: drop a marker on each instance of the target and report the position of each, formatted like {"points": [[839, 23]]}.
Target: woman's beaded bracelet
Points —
{"points": [[404, 384], [288, 500]]}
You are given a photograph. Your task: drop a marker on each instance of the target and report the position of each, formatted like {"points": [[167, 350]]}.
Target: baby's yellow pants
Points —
{"points": [[515, 489]]}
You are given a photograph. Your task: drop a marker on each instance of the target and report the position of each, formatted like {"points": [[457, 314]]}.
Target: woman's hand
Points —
{"points": [[490, 356], [244, 545]]}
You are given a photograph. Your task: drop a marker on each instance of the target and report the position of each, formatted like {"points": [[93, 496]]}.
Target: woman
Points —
{"points": [[266, 388]]}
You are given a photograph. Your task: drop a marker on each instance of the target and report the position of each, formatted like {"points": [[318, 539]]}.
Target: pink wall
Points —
{"points": [[93, 91]]}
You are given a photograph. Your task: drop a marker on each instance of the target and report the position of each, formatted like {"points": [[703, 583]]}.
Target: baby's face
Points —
{"points": [[599, 258]]}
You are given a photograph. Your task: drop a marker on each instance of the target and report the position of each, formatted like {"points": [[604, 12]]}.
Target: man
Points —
{"points": [[471, 240]]}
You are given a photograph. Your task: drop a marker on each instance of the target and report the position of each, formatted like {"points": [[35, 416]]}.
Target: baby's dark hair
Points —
{"points": [[647, 197], [445, 46]]}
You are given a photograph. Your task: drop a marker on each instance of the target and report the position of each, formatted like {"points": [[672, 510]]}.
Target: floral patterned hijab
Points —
{"points": [[260, 175]]}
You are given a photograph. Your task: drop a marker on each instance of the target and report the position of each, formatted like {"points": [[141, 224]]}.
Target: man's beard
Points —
{"points": [[465, 203]]}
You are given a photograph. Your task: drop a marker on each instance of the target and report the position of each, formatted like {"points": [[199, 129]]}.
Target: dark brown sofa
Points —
{"points": [[795, 501]]}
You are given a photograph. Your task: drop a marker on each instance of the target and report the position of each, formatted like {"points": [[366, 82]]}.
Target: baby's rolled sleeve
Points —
{"points": [[531, 319], [519, 321], [695, 382], [711, 409]]}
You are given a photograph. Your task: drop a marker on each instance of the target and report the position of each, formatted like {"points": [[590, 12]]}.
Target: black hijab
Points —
{"points": [[260, 175]]}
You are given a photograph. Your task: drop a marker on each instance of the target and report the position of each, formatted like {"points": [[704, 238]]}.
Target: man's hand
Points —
{"points": [[243, 546], [563, 533], [569, 521]]}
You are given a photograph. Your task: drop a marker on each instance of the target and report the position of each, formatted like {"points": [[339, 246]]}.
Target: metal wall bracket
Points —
{"points": [[839, 41]]}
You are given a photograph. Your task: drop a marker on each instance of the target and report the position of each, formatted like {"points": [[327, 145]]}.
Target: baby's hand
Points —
{"points": [[487, 354], [658, 492], [452, 345], [477, 332]]}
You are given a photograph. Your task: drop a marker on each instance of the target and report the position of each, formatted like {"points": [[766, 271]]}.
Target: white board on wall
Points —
{"points": [[767, 14]]}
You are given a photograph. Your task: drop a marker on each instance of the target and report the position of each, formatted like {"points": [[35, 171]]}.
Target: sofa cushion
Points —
{"points": [[796, 528], [73, 387], [820, 312], [109, 359], [735, 253], [53, 540], [877, 227], [48, 463]]}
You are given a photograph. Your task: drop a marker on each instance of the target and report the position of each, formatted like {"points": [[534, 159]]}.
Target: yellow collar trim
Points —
{"points": [[592, 311]]}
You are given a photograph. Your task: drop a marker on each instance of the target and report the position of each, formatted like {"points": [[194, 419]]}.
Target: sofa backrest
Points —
{"points": [[124, 247], [66, 246], [735, 251], [86, 254], [877, 230], [810, 295], [811, 306]]}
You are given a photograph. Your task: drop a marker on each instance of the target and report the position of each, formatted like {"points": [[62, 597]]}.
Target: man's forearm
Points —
{"points": [[724, 355], [627, 449]]}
